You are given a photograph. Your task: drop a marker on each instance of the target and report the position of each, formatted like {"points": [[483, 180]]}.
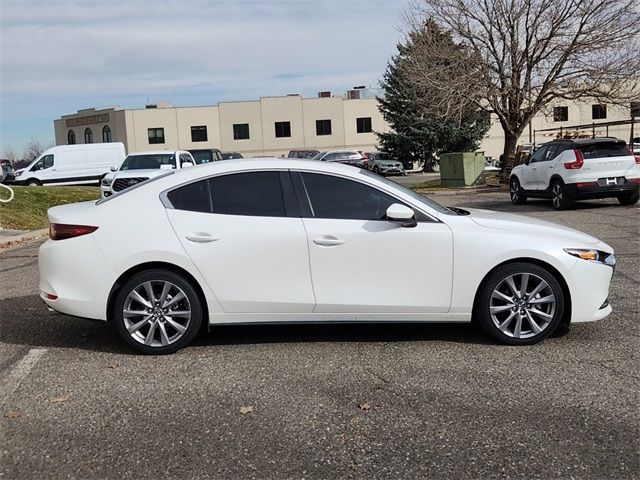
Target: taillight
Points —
{"points": [[578, 162], [60, 231]]}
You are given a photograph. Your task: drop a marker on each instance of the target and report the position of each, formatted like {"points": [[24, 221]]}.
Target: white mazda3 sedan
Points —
{"points": [[278, 241]]}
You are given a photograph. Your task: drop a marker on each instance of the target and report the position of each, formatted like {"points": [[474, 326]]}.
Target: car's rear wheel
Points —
{"points": [[520, 304], [157, 312], [629, 198], [516, 193], [559, 196]]}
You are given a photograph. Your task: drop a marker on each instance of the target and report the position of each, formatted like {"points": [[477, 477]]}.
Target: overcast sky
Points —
{"points": [[62, 55]]}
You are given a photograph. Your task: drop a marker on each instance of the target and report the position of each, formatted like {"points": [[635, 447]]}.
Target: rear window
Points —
{"points": [[605, 149], [150, 162]]}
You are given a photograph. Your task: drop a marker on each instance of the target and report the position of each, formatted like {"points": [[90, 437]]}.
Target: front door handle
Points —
{"points": [[201, 237], [328, 241]]}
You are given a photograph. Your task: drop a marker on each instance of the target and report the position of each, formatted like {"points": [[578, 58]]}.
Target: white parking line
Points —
{"points": [[19, 371]]}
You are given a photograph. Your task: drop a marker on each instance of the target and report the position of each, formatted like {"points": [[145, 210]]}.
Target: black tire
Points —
{"points": [[158, 277], [629, 198], [516, 193], [376, 169], [559, 196], [33, 183], [490, 321]]}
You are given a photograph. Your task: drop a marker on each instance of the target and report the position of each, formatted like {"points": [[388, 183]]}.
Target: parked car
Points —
{"points": [[347, 157], [231, 155], [568, 170], [141, 166], [280, 240], [72, 164], [205, 155], [383, 164], [302, 153], [6, 172]]}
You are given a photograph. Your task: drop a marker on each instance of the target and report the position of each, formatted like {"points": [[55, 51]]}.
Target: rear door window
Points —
{"points": [[605, 149], [257, 194]]}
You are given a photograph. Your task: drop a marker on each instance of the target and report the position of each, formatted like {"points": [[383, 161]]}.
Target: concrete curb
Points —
{"points": [[6, 242], [453, 191]]}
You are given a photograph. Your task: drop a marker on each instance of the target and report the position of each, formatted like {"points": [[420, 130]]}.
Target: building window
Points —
{"points": [[560, 114], [283, 129], [88, 135], [156, 135], [71, 137], [323, 127], [241, 131], [598, 112], [199, 134], [363, 125], [106, 134]]}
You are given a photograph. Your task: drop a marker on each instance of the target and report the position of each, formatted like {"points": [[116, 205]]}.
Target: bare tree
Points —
{"points": [[10, 154], [34, 148], [532, 52]]}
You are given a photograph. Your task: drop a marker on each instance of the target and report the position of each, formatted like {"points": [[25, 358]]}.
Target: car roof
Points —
{"points": [[158, 152], [587, 141]]}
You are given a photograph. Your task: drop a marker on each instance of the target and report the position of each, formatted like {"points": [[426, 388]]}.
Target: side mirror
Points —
{"points": [[113, 168], [402, 215], [187, 164]]}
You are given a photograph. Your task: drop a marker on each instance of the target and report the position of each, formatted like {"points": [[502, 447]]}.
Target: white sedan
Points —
{"points": [[279, 241]]}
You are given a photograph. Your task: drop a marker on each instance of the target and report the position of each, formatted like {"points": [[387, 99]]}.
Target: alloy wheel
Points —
{"points": [[515, 191], [557, 196], [522, 305], [156, 313]]}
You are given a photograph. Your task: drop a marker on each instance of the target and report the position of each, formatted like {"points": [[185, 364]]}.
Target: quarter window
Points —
{"points": [[323, 127], [241, 131], [106, 134], [156, 135], [339, 198], [363, 125], [193, 197], [199, 133], [88, 135], [256, 194], [283, 129], [71, 137]]}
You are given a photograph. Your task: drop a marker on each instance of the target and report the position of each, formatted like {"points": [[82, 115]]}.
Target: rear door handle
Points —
{"points": [[201, 237], [328, 241]]}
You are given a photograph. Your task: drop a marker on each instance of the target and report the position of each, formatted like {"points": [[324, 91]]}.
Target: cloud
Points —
{"points": [[72, 54]]}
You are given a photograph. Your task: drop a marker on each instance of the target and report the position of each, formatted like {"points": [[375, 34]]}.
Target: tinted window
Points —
{"points": [[241, 131], [193, 197], [335, 197], [202, 156], [149, 161], [539, 154], [605, 149], [256, 193]]}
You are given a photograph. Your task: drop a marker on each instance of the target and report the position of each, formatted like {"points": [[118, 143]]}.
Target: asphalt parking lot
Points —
{"points": [[434, 401]]}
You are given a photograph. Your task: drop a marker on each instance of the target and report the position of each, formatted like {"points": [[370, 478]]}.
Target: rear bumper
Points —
{"points": [[593, 190]]}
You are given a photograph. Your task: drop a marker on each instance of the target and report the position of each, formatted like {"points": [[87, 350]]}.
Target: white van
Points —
{"points": [[72, 165]]}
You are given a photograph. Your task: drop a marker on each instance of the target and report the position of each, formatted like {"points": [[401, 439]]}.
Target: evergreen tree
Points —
{"points": [[421, 126]]}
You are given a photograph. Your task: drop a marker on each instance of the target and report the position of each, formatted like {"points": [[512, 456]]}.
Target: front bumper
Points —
{"points": [[589, 286]]}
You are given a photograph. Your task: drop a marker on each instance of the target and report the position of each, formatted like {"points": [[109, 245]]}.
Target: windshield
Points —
{"points": [[416, 196], [150, 162], [202, 156]]}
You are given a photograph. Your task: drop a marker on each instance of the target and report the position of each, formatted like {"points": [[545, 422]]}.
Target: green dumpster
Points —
{"points": [[461, 169]]}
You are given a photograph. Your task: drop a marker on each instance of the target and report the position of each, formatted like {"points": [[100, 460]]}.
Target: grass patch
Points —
{"points": [[28, 210], [434, 184]]}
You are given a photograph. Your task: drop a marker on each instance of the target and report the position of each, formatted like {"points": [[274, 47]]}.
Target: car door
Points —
{"points": [[529, 180], [363, 263], [244, 233], [545, 166]]}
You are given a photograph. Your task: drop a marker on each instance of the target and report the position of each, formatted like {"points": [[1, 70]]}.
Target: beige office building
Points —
{"points": [[269, 126], [275, 125]]}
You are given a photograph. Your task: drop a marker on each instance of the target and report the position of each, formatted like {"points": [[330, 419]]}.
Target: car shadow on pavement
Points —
{"points": [[26, 321]]}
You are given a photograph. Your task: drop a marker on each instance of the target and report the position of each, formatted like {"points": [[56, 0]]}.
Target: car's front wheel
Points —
{"points": [[520, 304], [157, 312], [516, 193]]}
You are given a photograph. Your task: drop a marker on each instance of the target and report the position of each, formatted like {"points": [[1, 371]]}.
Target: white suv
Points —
{"points": [[141, 166], [567, 170]]}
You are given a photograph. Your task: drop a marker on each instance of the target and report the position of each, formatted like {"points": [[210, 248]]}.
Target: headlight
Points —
{"points": [[593, 255], [105, 182], [17, 174]]}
